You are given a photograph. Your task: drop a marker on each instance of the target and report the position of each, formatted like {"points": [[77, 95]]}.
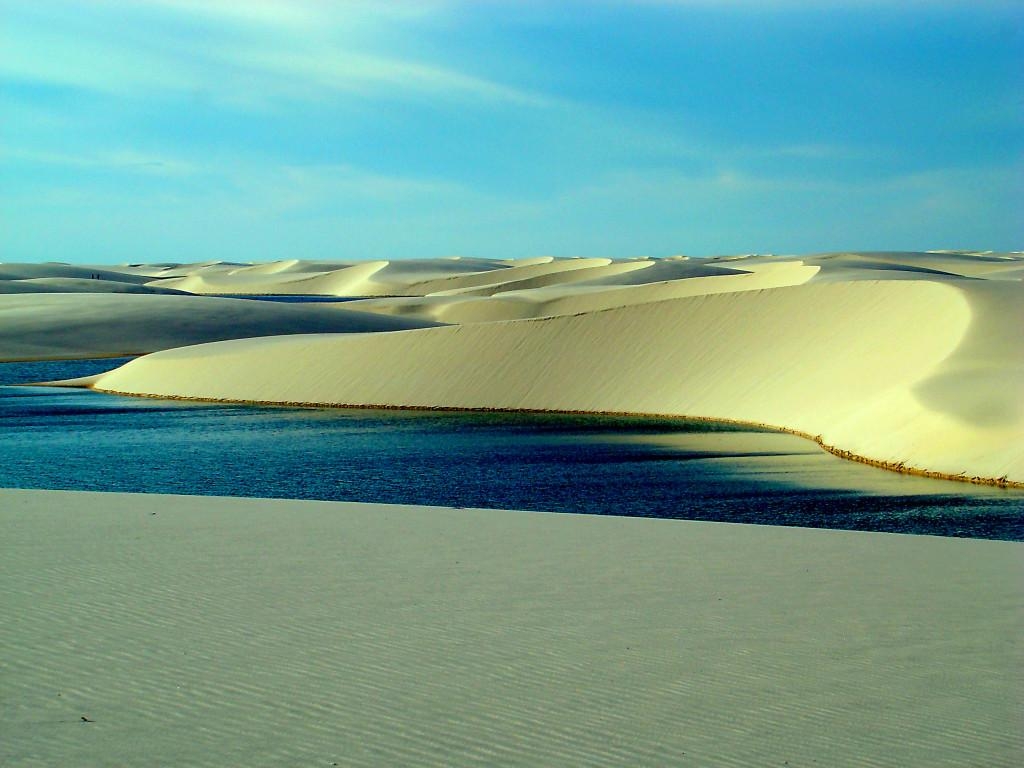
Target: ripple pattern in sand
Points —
{"points": [[246, 632]]}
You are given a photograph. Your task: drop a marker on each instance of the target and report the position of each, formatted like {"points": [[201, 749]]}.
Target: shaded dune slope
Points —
{"points": [[73, 325]]}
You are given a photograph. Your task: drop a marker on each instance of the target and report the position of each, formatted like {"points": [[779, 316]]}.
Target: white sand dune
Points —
{"points": [[513, 302], [375, 278], [514, 274], [420, 277], [344, 281], [911, 373], [168, 271], [77, 285], [963, 264], [53, 326], [29, 271], [910, 360], [593, 271], [54, 277], [211, 632]]}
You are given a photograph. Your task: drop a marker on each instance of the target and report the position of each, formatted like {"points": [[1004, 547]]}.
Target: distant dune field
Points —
{"points": [[912, 361]]}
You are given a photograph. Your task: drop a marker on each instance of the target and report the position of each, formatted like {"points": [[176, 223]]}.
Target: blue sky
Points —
{"points": [[200, 129]]}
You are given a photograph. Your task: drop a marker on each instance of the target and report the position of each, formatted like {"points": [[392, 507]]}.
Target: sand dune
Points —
{"points": [[564, 297], [24, 271], [344, 281], [213, 632], [376, 278], [892, 371], [77, 285], [911, 360], [422, 277], [962, 264], [54, 277], [53, 326]]}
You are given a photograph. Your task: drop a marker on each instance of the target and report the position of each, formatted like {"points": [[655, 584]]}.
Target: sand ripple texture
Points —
{"points": [[212, 632]]}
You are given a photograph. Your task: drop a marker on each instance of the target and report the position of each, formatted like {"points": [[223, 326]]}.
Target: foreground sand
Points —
{"points": [[207, 631]]}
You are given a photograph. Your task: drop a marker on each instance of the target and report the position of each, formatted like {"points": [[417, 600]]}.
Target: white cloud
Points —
{"points": [[251, 55], [262, 12], [294, 13], [333, 68], [94, 64], [300, 183]]}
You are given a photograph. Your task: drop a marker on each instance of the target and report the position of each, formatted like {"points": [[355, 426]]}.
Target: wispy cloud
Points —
{"points": [[252, 53], [340, 70], [651, 184], [259, 12], [823, 5], [280, 186], [965, 206], [295, 13], [821, 151], [64, 59], [121, 160]]}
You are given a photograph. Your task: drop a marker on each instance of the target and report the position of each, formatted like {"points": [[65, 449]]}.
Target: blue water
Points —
{"points": [[61, 438]]}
